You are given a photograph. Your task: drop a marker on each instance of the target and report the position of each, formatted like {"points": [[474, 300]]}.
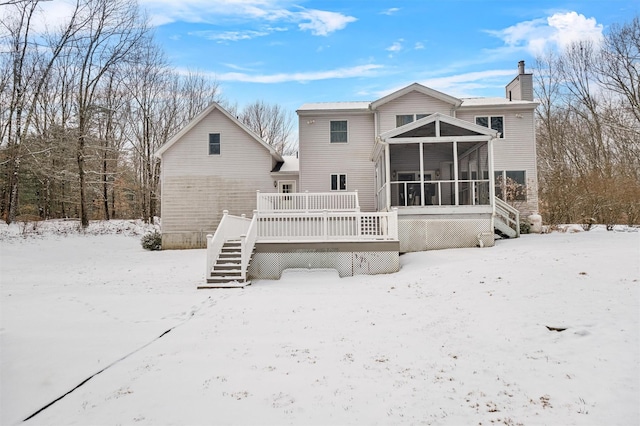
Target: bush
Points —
{"points": [[525, 227], [152, 241]]}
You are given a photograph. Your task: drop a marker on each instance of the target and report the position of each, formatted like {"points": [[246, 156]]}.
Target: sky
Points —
{"points": [[294, 51]]}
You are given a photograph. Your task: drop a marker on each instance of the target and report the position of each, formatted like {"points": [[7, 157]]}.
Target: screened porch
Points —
{"points": [[438, 164]]}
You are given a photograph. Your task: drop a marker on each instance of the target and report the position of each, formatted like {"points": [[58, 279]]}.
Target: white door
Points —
{"points": [[287, 187]]}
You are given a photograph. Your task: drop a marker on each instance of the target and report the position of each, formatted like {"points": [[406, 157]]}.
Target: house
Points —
{"points": [[415, 170]]}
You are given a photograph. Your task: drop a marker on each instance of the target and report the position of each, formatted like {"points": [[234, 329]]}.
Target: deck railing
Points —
{"points": [[248, 242], [440, 193], [328, 226], [308, 202]]}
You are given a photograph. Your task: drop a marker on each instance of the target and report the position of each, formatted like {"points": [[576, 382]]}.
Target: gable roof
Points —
{"points": [[413, 129], [416, 87], [197, 119]]}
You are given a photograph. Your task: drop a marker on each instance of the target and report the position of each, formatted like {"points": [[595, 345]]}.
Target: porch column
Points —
{"points": [[421, 173], [455, 171], [387, 172], [492, 183]]}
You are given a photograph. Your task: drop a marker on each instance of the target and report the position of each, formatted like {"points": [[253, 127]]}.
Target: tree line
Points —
{"points": [[588, 130], [85, 104]]}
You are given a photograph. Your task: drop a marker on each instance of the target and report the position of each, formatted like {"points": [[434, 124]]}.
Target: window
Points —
{"points": [[339, 131], [511, 185], [497, 123], [338, 182], [401, 120], [214, 143]]}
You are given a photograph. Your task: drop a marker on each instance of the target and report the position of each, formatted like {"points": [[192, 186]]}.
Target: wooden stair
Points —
{"points": [[227, 271]]}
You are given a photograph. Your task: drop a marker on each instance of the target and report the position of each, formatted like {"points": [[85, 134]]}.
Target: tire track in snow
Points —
{"points": [[194, 310]]}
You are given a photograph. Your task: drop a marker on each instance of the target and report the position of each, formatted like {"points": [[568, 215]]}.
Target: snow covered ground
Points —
{"points": [[456, 337]]}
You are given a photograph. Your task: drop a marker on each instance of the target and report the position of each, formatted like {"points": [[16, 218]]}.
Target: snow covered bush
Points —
{"points": [[152, 241], [525, 227]]}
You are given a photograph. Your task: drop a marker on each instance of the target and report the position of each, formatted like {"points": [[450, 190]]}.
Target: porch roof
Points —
{"points": [[436, 126]]}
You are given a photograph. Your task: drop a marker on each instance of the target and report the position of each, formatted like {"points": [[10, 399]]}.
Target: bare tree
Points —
{"points": [[115, 28], [588, 130], [272, 123], [30, 70]]}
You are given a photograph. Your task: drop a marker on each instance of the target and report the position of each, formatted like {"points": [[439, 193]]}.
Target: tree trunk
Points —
{"points": [[84, 218]]}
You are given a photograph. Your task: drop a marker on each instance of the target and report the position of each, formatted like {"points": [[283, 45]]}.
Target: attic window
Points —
{"points": [[339, 131], [403, 119], [214, 143]]}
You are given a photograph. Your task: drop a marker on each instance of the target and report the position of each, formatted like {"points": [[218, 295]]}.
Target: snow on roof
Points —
{"points": [[466, 102], [364, 105], [291, 164], [316, 106]]}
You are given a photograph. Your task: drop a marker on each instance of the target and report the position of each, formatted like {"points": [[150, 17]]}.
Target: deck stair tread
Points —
{"points": [[504, 229], [227, 269]]}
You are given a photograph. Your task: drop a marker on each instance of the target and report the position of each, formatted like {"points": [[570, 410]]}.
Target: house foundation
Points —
{"points": [[420, 234], [348, 258]]}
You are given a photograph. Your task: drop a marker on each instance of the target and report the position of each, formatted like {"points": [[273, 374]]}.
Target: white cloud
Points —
{"points": [[461, 85], [357, 71], [396, 46], [390, 11], [322, 22], [418, 46], [556, 31], [318, 22], [229, 35], [571, 27]]}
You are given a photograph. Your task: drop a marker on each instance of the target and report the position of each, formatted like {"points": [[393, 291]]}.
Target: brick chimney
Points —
{"points": [[521, 87]]}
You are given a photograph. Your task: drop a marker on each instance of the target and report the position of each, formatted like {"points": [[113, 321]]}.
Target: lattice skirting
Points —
{"points": [[434, 234], [347, 263]]}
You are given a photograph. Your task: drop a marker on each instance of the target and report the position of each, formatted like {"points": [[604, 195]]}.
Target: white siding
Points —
{"points": [[411, 103], [319, 158], [197, 187], [517, 150], [521, 88]]}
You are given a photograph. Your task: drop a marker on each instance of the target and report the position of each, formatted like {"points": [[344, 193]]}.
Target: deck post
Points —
{"points": [[393, 231], [243, 243], [209, 255], [325, 224]]}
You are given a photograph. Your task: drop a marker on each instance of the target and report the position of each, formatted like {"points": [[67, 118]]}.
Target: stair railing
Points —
{"points": [[229, 227], [248, 243], [508, 214]]}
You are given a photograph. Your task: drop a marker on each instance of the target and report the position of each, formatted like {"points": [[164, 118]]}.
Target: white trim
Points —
{"points": [[346, 182], [201, 117], [285, 182], [414, 116], [437, 117], [489, 117], [348, 135], [219, 154], [416, 87]]}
